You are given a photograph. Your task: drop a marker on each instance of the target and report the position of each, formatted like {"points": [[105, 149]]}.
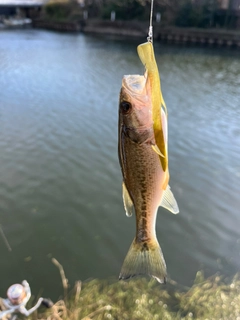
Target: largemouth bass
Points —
{"points": [[143, 158]]}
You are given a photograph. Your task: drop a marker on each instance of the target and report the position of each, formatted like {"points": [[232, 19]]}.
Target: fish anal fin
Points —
{"points": [[144, 258], [168, 201], [127, 201]]}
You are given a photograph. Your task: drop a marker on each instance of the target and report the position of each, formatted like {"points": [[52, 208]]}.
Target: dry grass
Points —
{"points": [[142, 298], [64, 309]]}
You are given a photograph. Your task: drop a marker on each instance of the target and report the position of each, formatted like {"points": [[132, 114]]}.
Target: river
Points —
{"points": [[60, 180]]}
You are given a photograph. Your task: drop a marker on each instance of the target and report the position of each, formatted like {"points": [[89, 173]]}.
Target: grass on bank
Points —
{"points": [[144, 298]]}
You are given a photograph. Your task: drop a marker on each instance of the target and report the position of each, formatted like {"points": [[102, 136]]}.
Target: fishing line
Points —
{"points": [[5, 239], [150, 32]]}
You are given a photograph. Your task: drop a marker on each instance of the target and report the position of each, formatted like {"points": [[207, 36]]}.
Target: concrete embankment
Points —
{"points": [[208, 37], [121, 28], [66, 26]]}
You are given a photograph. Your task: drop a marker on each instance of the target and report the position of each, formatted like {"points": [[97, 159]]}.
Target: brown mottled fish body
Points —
{"points": [[144, 180]]}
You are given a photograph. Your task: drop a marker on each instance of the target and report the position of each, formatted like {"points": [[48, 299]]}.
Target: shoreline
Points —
{"points": [[136, 29], [143, 298]]}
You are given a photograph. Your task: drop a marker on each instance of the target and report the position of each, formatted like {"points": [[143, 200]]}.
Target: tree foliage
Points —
{"points": [[182, 13], [62, 10], [126, 10]]}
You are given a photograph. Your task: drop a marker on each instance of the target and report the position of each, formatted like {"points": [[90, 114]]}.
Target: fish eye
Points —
{"points": [[125, 106]]}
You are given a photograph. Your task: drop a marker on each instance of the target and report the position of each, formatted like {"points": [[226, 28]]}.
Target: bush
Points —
{"points": [[126, 10], [192, 15], [62, 10]]}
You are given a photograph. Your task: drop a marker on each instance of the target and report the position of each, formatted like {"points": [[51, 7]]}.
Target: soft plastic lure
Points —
{"points": [[146, 55]]}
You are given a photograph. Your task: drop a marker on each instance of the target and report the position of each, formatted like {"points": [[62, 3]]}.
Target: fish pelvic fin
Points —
{"points": [[144, 258], [127, 201]]}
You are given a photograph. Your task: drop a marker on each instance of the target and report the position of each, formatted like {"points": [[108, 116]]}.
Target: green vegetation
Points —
{"points": [[182, 13], [126, 10], [62, 10], [143, 298], [190, 15], [208, 14]]}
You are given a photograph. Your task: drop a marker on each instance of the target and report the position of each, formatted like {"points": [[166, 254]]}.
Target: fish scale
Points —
{"points": [[142, 156]]}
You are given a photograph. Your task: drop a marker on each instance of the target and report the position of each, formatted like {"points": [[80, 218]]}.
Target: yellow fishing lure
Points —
{"points": [[146, 55]]}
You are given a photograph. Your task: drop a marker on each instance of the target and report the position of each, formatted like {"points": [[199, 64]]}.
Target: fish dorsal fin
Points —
{"points": [[146, 55], [127, 201], [168, 201]]}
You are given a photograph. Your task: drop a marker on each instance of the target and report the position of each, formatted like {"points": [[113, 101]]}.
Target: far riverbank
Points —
{"points": [[207, 37]]}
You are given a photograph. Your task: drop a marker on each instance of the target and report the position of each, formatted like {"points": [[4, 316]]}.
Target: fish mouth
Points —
{"points": [[135, 84]]}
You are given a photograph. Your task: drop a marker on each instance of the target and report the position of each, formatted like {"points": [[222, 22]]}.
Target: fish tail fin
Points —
{"points": [[144, 258]]}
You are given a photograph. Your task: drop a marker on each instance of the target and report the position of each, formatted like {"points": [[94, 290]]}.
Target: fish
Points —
{"points": [[143, 158]]}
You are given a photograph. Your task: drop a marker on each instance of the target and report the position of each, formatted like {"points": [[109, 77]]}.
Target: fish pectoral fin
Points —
{"points": [[127, 201], [168, 201], [157, 150]]}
